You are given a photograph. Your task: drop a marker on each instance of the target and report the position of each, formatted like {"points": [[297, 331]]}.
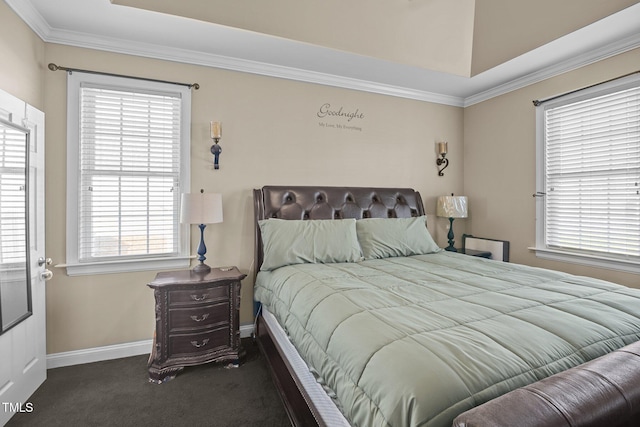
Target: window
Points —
{"points": [[13, 166], [589, 176], [128, 163]]}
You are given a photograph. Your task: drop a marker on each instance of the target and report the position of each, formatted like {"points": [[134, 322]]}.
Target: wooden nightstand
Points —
{"points": [[197, 320]]}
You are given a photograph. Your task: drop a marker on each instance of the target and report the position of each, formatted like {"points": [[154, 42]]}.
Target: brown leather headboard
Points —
{"points": [[331, 203]]}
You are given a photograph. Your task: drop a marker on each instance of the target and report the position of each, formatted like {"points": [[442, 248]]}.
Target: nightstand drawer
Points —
{"points": [[203, 342], [203, 316], [198, 295]]}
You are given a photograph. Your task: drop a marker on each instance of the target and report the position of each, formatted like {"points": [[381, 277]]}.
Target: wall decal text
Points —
{"points": [[326, 111]]}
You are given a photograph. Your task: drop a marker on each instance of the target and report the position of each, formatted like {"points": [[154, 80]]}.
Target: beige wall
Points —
{"points": [[271, 135], [22, 55], [499, 160]]}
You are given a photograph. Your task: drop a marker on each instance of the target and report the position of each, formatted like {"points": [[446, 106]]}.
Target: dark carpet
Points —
{"points": [[118, 393]]}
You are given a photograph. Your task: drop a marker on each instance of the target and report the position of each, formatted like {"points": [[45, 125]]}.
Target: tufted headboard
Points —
{"points": [[331, 203]]}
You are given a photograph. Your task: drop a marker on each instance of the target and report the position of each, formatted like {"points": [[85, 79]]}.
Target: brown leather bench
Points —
{"points": [[604, 392]]}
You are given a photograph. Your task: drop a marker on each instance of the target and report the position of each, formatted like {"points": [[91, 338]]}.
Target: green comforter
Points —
{"points": [[415, 341]]}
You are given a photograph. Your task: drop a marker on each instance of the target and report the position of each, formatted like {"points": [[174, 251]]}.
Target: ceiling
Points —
{"points": [[451, 52]]}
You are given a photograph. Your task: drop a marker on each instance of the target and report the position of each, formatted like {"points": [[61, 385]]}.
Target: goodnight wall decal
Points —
{"points": [[335, 117]]}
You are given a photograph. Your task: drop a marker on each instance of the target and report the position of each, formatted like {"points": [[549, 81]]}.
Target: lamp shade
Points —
{"points": [[452, 206], [201, 208]]}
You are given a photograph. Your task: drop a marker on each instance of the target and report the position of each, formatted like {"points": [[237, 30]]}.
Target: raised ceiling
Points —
{"points": [[421, 33], [461, 37], [453, 52]]}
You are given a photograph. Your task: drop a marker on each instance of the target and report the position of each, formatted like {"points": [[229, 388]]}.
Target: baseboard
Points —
{"points": [[109, 352], [97, 354], [246, 331]]}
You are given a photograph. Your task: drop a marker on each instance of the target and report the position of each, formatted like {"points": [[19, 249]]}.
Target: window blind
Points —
{"points": [[592, 152], [13, 161], [129, 174]]}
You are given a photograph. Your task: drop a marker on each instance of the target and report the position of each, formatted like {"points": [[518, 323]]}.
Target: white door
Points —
{"points": [[23, 364]]}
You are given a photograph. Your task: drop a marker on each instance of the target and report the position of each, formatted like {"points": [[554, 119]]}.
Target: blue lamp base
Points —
{"points": [[450, 248], [202, 249]]}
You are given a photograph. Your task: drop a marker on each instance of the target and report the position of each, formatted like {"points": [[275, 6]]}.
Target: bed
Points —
{"points": [[365, 321]]}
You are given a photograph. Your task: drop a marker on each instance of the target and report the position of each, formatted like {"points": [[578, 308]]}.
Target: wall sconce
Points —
{"points": [[216, 134], [442, 150]]}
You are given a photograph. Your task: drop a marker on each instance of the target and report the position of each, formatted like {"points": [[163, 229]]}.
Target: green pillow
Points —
{"points": [[393, 237], [287, 242]]}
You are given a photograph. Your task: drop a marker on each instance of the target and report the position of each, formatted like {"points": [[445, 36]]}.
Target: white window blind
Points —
{"points": [[592, 174], [130, 169], [13, 163], [128, 152]]}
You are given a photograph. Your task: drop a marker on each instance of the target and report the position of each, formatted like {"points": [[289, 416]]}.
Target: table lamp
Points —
{"points": [[202, 209], [452, 207]]}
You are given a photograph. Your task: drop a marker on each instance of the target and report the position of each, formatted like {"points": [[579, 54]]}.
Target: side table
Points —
{"points": [[197, 320]]}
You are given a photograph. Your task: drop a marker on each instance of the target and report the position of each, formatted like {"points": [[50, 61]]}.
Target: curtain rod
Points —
{"points": [[537, 102], [54, 67]]}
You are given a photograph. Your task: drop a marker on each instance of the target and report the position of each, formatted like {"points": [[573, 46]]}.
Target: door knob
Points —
{"points": [[42, 261], [46, 275]]}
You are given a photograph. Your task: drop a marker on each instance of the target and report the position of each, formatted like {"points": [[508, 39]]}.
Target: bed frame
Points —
{"points": [[301, 203], [611, 396]]}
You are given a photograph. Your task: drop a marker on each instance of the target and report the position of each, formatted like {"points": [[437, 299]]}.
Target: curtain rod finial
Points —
{"points": [[53, 67]]}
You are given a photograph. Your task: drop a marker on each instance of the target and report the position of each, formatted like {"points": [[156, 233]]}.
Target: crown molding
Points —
{"points": [[578, 49], [587, 58], [147, 50], [30, 15], [115, 45]]}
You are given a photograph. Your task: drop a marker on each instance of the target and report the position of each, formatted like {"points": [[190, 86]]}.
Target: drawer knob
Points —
{"points": [[196, 345], [201, 318], [199, 298]]}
